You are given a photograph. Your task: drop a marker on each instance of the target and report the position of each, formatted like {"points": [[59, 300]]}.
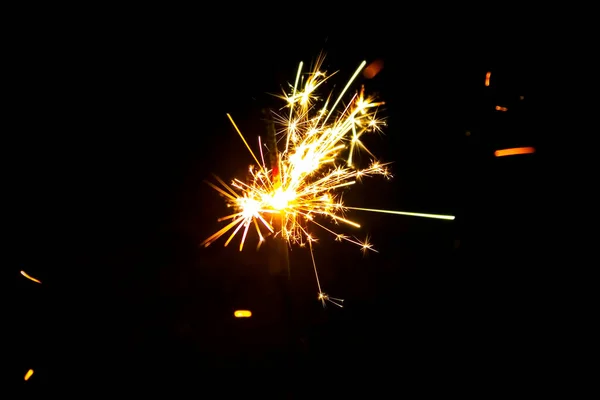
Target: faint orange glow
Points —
{"points": [[487, 78], [514, 151], [28, 374], [373, 69], [242, 314], [498, 108], [29, 277]]}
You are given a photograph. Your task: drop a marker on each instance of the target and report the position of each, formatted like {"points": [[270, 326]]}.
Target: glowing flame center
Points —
{"points": [[281, 199], [250, 207]]}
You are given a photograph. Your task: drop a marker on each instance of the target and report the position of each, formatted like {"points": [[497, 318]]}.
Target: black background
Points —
{"points": [[114, 124]]}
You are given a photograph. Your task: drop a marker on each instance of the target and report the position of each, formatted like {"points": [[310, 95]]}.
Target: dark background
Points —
{"points": [[115, 123]]}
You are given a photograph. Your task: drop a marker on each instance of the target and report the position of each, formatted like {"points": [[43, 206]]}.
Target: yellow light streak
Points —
{"points": [[287, 139], [244, 140], [28, 375]]}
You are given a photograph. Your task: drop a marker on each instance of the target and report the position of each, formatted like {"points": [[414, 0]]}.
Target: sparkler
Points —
{"points": [[316, 163]]}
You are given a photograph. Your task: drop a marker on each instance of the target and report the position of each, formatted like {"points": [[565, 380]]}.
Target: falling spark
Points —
{"points": [[500, 108], [487, 78], [29, 277], [28, 375], [317, 164], [514, 151]]}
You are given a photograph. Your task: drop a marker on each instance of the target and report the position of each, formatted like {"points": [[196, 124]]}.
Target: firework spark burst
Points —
{"points": [[319, 140]]}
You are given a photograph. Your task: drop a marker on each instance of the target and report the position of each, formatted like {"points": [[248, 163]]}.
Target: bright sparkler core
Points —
{"points": [[304, 189], [280, 199]]}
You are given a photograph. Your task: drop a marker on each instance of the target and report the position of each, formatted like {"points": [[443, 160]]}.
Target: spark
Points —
{"points": [[323, 297], [318, 162], [30, 277], [366, 246]]}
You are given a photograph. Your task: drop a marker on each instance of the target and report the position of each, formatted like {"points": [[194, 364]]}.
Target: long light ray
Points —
{"points": [[360, 67], [410, 214], [287, 139], [243, 139]]}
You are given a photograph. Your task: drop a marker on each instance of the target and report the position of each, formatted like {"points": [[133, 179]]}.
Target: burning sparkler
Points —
{"points": [[302, 189]]}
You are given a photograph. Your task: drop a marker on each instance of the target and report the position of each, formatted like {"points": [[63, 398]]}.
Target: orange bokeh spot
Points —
{"points": [[373, 69]]}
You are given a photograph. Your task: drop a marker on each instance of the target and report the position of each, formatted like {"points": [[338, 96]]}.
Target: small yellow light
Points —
{"points": [[242, 314], [28, 374]]}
